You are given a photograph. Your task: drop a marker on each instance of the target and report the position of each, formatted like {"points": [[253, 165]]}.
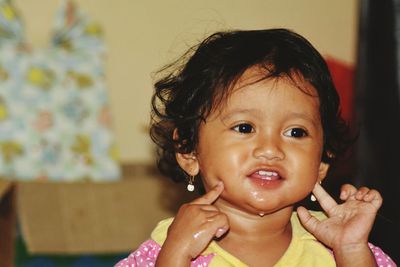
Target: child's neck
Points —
{"points": [[266, 238]]}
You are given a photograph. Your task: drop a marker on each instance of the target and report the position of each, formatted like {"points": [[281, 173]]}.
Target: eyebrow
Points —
{"points": [[234, 112], [314, 120]]}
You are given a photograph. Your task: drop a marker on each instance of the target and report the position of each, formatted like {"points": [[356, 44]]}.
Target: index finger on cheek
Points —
{"points": [[211, 195], [324, 199]]}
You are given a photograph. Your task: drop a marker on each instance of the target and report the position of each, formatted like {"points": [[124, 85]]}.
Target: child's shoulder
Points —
{"points": [[159, 234]]}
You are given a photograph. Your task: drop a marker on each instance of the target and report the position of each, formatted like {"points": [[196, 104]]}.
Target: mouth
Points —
{"points": [[266, 177]]}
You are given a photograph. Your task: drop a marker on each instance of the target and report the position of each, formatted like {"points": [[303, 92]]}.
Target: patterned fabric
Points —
{"points": [[146, 255], [54, 110], [381, 258], [301, 251]]}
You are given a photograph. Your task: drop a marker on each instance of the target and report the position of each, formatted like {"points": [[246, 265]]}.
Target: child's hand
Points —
{"points": [[195, 225], [348, 224]]}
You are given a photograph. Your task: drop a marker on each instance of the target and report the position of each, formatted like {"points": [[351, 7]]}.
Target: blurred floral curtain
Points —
{"points": [[54, 110]]}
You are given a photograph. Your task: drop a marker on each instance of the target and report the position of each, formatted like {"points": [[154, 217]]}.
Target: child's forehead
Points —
{"points": [[259, 74], [255, 75]]}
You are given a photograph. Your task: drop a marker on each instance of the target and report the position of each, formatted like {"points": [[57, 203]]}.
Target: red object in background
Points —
{"points": [[343, 78]]}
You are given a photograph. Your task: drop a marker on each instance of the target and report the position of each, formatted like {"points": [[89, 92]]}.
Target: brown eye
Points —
{"points": [[296, 133], [243, 128]]}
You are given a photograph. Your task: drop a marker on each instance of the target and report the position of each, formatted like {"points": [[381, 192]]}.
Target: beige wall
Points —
{"points": [[141, 36]]}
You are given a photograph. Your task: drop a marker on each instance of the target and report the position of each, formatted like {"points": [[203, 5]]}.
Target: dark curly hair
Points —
{"points": [[198, 82]]}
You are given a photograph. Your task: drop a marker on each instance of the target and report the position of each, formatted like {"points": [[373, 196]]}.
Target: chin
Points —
{"points": [[269, 207]]}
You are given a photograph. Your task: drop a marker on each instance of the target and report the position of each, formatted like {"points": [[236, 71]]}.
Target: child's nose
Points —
{"points": [[268, 148]]}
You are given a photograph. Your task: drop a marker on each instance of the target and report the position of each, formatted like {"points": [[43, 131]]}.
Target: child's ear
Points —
{"points": [[188, 163], [323, 170]]}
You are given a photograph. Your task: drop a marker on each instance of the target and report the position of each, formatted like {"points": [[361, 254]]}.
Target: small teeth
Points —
{"points": [[267, 173]]}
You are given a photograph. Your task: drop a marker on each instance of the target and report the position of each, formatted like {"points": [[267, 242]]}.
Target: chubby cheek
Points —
{"points": [[220, 165], [306, 167]]}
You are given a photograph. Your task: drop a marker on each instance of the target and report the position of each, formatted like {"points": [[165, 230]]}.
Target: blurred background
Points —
{"points": [[359, 39]]}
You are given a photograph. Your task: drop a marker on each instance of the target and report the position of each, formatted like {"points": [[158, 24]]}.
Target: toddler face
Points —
{"points": [[264, 143]]}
